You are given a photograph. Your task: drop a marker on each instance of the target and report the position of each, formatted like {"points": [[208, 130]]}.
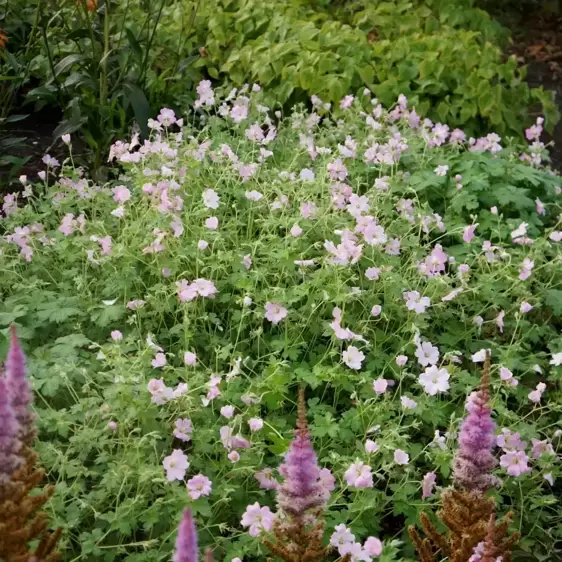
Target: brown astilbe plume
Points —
{"points": [[301, 500], [466, 511], [21, 520]]}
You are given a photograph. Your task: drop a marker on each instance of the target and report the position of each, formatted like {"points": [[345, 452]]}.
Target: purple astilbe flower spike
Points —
{"points": [[301, 489], [186, 543], [18, 386], [9, 443], [474, 461]]}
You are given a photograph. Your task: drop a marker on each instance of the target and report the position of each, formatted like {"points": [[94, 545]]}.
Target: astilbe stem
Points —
{"points": [[466, 511], [301, 498], [21, 522]]}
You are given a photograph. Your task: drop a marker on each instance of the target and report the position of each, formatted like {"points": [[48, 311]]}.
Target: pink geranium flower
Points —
{"points": [[258, 519], [275, 312], [199, 486], [176, 465]]}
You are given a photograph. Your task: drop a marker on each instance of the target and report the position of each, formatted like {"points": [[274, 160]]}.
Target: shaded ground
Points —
{"points": [[537, 42], [37, 129]]}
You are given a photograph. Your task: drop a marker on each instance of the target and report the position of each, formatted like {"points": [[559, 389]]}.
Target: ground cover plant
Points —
{"points": [[363, 254], [445, 56]]}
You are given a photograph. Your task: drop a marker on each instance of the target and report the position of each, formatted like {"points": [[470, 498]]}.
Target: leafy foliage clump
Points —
{"points": [[373, 258]]}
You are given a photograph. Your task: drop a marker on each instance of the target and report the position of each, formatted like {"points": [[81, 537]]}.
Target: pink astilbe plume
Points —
{"points": [[301, 489], [474, 461], [186, 543], [9, 443], [301, 498], [18, 388]]}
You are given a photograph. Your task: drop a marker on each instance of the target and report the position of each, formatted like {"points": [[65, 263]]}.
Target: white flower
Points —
{"points": [[427, 354], [441, 170], [353, 358], [521, 230], [480, 356], [408, 403], [434, 380], [556, 359]]}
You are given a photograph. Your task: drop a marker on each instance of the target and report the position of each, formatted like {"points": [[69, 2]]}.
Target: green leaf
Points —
{"points": [[140, 105], [67, 62], [553, 299]]}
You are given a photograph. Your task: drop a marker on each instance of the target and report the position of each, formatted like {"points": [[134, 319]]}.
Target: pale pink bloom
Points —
{"points": [[526, 307], [401, 457], [434, 380], [515, 462], [67, 224], [346, 102], [372, 273], [181, 389], [337, 170], [358, 205], [253, 195], [105, 243], [358, 475], [540, 207], [211, 199], [427, 354], [371, 446], [464, 268], [480, 356], [212, 223], [183, 429], [509, 440], [266, 479], [521, 230], [408, 403], [499, 320], [247, 261], [526, 269], [428, 484], [296, 230], [227, 411], [380, 386], [373, 547], [354, 552], [186, 291], [326, 479], [205, 287], [189, 358], [112, 425], [414, 301], [121, 194], [401, 360], [536, 395], [198, 486], [274, 312], [309, 210], [233, 456], [159, 360], [453, 294], [556, 236], [548, 477], [258, 519], [341, 536], [468, 234], [202, 245], [255, 424], [441, 170], [42, 175], [116, 335], [176, 465], [353, 358], [376, 310], [306, 174], [507, 376], [166, 272], [541, 448], [135, 304]]}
